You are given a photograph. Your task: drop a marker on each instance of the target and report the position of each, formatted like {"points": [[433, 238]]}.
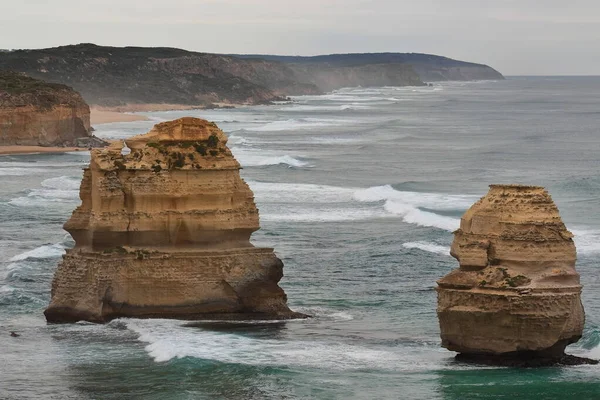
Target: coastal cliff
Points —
{"points": [[164, 231], [425, 67], [37, 113], [127, 76], [120, 76], [516, 293]]}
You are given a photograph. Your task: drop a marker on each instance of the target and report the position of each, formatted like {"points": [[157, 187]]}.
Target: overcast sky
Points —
{"points": [[517, 37]]}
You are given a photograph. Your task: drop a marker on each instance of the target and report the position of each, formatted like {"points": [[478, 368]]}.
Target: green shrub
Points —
{"points": [[201, 149], [213, 141]]}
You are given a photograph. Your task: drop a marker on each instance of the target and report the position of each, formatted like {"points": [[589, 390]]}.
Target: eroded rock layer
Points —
{"points": [[516, 291], [164, 231], [38, 113]]}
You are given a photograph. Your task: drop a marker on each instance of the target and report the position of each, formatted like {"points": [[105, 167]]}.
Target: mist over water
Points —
{"points": [[359, 191]]}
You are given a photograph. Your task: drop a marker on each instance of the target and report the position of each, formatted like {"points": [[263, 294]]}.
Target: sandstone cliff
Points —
{"points": [[165, 232], [37, 113], [516, 291], [425, 67], [117, 76]]}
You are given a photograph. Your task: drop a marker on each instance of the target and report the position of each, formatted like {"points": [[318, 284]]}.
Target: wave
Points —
{"points": [[587, 241], [167, 340], [348, 97], [313, 203], [59, 189], [408, 205], [332, 140], [427, 246], [260, 158], [295, 124], [19, 168], [40, 253], [343, 107], [20, 171], [238, 140]]}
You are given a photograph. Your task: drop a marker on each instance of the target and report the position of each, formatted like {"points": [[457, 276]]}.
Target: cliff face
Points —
{"points": [[427, 67], [37, 113], [114, 76], [165, 232], [327, 77], [516, 290]]}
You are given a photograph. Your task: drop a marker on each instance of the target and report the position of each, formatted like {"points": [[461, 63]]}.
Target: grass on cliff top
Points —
{"points": [[17, 90]]}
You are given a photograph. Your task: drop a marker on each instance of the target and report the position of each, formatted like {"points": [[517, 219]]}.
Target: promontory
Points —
{"points": [[38, 113]]}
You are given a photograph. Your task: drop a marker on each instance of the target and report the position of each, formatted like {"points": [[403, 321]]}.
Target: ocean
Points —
{"points": [[359, 191]]}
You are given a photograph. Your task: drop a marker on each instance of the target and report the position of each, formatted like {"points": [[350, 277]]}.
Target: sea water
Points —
{"points": [[359, 191]]}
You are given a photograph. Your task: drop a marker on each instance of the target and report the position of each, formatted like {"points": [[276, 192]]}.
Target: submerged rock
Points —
{"points": [[516, 295], [164, 231]]}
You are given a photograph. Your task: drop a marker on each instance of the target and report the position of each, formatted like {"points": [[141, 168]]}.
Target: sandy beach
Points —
{"points": [[118, 112], [5, 150], [104, 116]]}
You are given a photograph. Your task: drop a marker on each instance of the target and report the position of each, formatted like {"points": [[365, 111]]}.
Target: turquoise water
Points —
{"points": [[358, 192]]}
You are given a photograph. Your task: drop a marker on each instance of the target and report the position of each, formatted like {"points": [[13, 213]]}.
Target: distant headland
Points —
{"points": [[125, 78]]}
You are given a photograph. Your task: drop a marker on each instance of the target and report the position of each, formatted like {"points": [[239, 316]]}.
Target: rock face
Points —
{"points": [[165, 232], [37, 113], [516, 292]]}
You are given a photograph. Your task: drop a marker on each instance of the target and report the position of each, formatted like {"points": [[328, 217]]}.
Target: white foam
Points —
{"points": [[301, 192], [326, 313], [42, 252], [413, 215], [167, 340], [326, 215], [59, 189], [20, 171], [407, 205], [332, 140], [587, 241], [62, 183], [323, 107], [258, 158], [427, 246], [595, 352], [238, 140], [314, 203], [299, 124]]}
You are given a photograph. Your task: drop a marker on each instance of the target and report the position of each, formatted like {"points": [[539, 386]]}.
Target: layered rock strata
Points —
{"points": [[164, 231], [37, 113], [516, 292]]}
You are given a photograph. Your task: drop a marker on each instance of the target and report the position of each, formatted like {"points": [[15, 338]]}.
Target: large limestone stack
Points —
{"points": [[516, 291], [164, 232]]}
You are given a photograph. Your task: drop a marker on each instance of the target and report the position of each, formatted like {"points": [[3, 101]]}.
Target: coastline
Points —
{"points": [[105, 116], [152, 107], [8, 150]]}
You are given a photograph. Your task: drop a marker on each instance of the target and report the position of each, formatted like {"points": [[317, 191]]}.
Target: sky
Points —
{"points": [[517, 37]]}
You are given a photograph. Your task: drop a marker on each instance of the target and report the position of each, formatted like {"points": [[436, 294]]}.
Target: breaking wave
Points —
{"points": [[40, 253], [427, 246], [299, 124], [60, 189], [167, 340], [259, 158]]}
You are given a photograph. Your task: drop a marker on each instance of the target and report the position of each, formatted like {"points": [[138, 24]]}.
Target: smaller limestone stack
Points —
{"points": [[516, 293], [38, 113], [164, 231]]}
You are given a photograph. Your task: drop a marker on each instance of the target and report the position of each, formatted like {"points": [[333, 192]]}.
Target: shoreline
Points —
{"points": [[105, 115], [151, 107], [16, 149], [101, 116]]}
